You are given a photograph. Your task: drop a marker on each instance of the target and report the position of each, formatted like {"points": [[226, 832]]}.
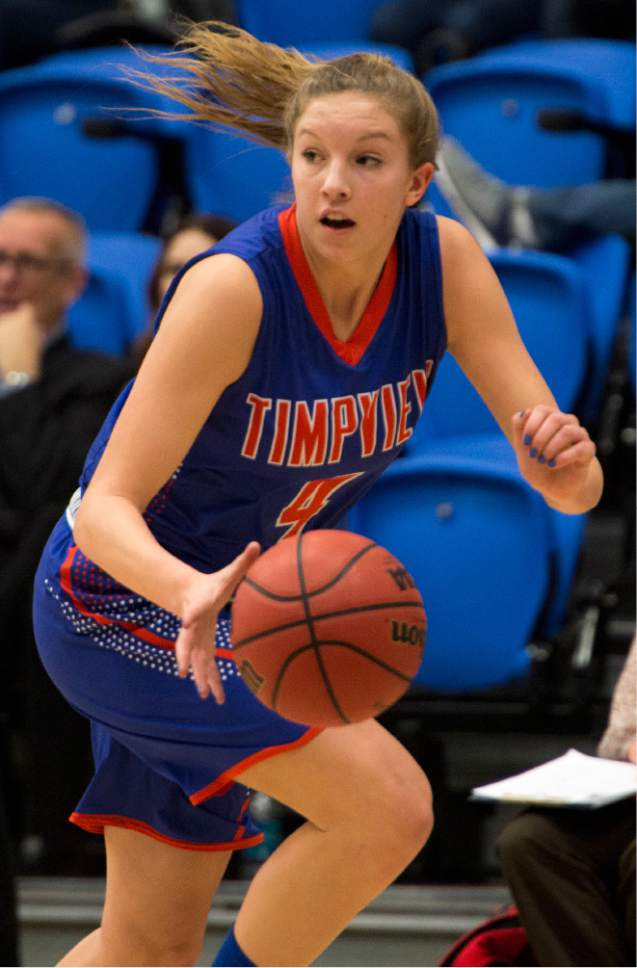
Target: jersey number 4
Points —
{"points": [[311, 499]]}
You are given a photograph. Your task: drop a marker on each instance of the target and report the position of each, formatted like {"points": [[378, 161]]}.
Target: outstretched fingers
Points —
{"points": [[195, 645], [231, 575]]}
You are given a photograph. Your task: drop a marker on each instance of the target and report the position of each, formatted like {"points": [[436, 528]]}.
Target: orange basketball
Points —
{"points": [[328, 628]]}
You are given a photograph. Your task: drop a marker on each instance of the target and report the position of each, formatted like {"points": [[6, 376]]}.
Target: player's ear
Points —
{"points": [[420, 180]]}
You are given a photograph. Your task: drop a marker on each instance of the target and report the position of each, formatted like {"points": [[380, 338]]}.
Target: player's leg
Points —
{"points": [[368, 809], [157, 901]]}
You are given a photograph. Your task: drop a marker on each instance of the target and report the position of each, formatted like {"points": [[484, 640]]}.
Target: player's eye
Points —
{"points": [[311, 155], [368, 161]]}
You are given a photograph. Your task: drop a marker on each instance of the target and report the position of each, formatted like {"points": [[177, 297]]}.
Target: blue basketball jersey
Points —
{"points": [[291, 445], [313, 421]]}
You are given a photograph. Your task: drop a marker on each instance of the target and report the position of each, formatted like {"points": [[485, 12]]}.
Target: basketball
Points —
{"points": [[328, 628]]}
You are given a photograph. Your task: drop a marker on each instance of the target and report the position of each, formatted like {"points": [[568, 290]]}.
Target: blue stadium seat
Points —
{"points": [[477, 541], [291, 23], [491, 104], [612, 62], [232, 176], [44, 150], [100, 319], [132, 257], [566, 531], [548, 294], [605, 265]]}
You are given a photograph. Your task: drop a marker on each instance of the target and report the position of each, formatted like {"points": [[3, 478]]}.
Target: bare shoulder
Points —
{"points": [[222, 280], [214, 314], [457, 244]]}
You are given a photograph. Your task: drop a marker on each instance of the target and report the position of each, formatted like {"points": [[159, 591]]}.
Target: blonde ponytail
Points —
{"points": [[228, 78]]}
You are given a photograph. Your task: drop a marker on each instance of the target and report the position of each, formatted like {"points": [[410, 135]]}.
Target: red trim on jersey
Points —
{"points": [[95, 823], [140, 633], [350, 350], [221, 784]]}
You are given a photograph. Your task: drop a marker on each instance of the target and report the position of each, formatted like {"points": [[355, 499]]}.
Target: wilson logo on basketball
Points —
{"points": [[409, 634], [250, 676], [402, 578]]}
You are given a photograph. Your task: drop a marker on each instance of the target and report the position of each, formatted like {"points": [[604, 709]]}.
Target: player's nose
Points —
{"points": [[335, 182]]}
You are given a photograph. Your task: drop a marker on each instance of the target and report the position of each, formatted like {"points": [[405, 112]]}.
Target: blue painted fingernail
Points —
{"points": [[533, 452], [551, 463], [527, 440], [541, 459]]}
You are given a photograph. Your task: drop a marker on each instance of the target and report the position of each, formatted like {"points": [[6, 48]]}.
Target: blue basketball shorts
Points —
{"points": [[165, 760]]}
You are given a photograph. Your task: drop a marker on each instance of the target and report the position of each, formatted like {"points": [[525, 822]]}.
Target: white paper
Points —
{"points": [[573, 779]]}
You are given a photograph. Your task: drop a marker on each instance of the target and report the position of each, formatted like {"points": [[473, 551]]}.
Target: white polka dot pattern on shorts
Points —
{"points": [[128, 640]]}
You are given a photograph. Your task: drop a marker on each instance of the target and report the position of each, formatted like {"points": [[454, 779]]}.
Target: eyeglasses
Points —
{"points": [[31, 265]]}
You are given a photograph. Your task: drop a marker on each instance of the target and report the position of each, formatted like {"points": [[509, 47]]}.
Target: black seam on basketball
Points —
{"points": [[318, 618], [320, 643], [283, 669], [317, 591], [310, 625]]}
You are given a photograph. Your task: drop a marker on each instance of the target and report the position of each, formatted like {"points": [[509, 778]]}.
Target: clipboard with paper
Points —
{"points": [[571, 780]]}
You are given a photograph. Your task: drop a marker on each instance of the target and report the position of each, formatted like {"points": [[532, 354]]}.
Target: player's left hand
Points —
{"points": [[553, 450]]}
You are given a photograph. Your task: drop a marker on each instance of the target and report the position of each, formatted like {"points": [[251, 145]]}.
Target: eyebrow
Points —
{"points": [[363, 137]]}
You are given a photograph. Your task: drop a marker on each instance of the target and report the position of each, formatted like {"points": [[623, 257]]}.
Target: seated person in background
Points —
{"points": [[554, 219], [439, 31], [53, 399], [447, 30], [193, 234], [572, 871]]}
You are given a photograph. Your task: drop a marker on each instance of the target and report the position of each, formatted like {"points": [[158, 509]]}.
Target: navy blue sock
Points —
{"points": [[230, 954]]}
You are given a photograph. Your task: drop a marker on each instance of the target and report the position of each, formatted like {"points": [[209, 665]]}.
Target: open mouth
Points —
{"points": [[337, 223]]}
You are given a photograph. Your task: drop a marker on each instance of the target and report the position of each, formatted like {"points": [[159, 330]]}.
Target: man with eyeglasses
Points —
{"points": [[53, 399], [41, 274]]}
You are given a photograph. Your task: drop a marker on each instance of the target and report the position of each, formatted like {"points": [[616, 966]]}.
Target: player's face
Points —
{"points": [[32, 265], [352, 174]]}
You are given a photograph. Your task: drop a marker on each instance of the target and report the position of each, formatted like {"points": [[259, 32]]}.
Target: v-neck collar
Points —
{"points": [[351, 350]]}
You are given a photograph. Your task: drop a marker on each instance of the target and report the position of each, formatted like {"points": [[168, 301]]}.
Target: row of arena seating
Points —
{"points": [[454, 508], [531, 113]]}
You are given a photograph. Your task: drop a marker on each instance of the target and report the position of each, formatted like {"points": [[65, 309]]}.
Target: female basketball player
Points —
{"points": [[290, 365]]}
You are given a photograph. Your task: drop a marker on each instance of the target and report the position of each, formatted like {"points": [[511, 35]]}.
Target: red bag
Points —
{"points": [[500, 940]]}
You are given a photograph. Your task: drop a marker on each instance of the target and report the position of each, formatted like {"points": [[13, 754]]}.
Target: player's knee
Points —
{"points": [[161, 944], [405, 815], [416, 820]]}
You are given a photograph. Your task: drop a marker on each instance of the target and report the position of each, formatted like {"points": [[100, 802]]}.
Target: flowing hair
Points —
{"points": [[227, 78]]}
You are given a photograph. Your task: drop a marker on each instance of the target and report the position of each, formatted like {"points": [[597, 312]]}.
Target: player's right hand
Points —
{"points": [[204, 599]]}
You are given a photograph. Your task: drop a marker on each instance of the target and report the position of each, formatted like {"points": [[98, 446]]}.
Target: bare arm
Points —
{"points": [[204, 344], [618, 741], [484, 339]]}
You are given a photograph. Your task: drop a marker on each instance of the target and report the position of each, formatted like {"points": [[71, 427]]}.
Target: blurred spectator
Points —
{"points": [[193, 234], [53, 399], [555, 219], [31, 29], [438, 31], [572, 871], [588, 18], [28, 27]]}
